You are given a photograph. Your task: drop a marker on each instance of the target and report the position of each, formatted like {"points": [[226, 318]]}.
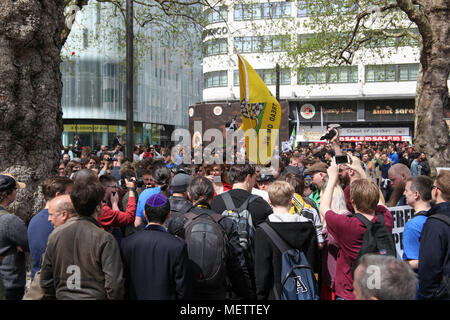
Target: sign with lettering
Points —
{"points": [[374, 132], [401, 215], [370, 139], [390, 111], [215, 32], [307, 111]]}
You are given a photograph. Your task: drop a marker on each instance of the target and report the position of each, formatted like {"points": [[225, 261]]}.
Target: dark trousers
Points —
{"points": [[14, 293]]}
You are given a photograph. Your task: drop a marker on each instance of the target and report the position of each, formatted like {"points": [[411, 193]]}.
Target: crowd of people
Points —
{"points": [[153, 227]]}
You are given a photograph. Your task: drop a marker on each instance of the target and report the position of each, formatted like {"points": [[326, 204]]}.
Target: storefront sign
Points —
{"points": [[85, 127], [388, 110], [374, 132], [307, 111], [337, 111], [217, 110], [70, 128], [100, 128], [370, 138]]}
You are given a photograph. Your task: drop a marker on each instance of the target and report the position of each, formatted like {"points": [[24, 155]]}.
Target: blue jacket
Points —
{"points": [[394, 157], [155, 265], [434, 254], [38, 231]]}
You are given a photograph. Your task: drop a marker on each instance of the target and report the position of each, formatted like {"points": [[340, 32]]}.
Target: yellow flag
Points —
{"points": [[261, 114]]}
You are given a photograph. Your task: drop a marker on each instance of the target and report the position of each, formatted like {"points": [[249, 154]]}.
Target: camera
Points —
{"points": [[329, 135], [139, 182], [341, 159]]}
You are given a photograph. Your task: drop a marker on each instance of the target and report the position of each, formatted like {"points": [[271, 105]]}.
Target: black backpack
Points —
{"points": [[445, 279], [377, 239], [207, 249], [243, 219]]}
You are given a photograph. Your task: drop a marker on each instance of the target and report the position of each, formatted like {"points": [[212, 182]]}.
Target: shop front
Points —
{"points": [[94, 135]]}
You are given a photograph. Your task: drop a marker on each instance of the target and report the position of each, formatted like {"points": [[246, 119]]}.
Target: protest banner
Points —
{"points": [[401, 215]]}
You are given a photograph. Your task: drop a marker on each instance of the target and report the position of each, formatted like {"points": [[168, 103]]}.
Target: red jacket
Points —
{"points": [[110, 218]]}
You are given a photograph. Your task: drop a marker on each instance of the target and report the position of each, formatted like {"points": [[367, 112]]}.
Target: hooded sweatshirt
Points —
{"points": [[299, 233]]}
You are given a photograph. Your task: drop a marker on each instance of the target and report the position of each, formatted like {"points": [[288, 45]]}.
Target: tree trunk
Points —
{"points": [[431, 131], [30, 96]]}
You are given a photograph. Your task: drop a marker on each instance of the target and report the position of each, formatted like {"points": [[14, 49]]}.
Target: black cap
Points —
{"points": [[8, 182], [180, 182]]}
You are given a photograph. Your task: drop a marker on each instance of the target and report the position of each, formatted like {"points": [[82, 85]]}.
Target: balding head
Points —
{"points": [[398, 174], [60, 209]]}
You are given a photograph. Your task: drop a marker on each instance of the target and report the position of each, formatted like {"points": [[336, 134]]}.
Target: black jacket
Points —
{"points": [[434, 254], [237, 272], [299, 235], [155, 265]]}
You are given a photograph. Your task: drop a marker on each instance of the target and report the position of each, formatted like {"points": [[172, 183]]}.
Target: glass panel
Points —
{"points": [[390, 73], [403, 73], [247, 44], [285, 76], [238, 12], [380, 73], [332, 75], [413, 72], [301, 9], [321, 76], [310, 76], [267, 44], [343, 75], [236, 78], [370, 74]]}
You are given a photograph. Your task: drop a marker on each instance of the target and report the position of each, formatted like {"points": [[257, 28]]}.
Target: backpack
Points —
{"points": [[243, 219], [445, 279], [376, 239], [297, 277], [207, 249]]}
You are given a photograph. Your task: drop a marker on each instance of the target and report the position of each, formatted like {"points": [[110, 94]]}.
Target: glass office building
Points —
{"points": [[94, 87]]}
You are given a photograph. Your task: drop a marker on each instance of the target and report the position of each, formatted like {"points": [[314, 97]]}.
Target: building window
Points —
{"points": [[268, 10], [216, 79], [269, 76], [328, 75], [85, 38], [379, 40], [391, 72], [261, 44], [213, 15], [215, 47], [320, 9]]}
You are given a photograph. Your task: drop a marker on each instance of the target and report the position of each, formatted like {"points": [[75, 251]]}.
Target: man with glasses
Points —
{"points": [[318, 174], [111, 216], [434, 253]]}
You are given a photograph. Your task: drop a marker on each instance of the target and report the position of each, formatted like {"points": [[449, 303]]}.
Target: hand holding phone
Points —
{"points": [[341, 159]]}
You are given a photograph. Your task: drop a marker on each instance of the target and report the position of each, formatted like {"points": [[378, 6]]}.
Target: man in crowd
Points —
{"points": [[201, 192], [318, 174], [13, 242], [418, 196], [348, 230], [179, 203], [82, 261], [434, 253], [392, 154], [40, 227], [396, 280], [296, 230], [398, 174], [111, 216], [155, 262]]}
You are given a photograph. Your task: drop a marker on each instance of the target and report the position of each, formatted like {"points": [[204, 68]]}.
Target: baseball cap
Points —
{"points": [[317, 167], [8, 182], [180, 182]]}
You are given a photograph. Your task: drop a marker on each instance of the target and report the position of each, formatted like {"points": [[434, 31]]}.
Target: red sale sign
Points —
{"points": [[370, 138]]}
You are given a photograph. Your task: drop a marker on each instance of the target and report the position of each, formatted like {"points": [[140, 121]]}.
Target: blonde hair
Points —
{"points": [[365, 194], [280, 194]]}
